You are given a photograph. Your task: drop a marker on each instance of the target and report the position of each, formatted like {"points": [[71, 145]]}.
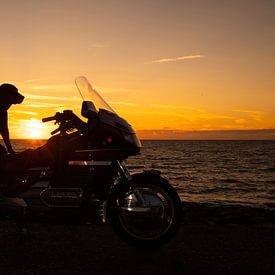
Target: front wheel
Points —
{"points": [[149, 214]]}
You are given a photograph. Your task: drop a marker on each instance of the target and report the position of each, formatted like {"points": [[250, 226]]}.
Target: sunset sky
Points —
{"points": [[172, 68]]}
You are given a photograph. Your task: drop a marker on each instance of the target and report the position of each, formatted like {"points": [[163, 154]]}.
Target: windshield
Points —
{"points": [[88, 93]]}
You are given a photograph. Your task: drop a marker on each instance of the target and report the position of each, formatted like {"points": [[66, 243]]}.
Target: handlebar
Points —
{"points": [[46, 119], [67, 120], [60, 117]]}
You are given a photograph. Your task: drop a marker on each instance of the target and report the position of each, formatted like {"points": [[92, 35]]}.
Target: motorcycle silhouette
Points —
{"points": [[81, 167]]}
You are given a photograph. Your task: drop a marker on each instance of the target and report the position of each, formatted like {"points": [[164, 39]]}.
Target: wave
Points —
{"points": [[230, 181], [268, 170]]}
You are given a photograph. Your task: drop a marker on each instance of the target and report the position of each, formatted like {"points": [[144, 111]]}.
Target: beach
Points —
{"points": [[212, 244]]}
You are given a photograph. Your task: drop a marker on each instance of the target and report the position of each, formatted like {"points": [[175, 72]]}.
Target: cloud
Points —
{"points": [[34, 80], [113, 90], [256, 115], [190, 113], [39, 104], [177, 107], [253, 134], [51, 87], [179, 58], [122, 103], [25, 112], [57, 98]]}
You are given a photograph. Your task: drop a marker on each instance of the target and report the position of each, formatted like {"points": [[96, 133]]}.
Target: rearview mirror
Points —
{"points": [[88, 110]]}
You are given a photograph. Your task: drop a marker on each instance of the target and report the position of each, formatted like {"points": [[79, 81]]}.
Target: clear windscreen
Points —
{"points": [[88, 93]]}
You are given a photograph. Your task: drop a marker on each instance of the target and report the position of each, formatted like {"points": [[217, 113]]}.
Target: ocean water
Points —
{"points": [[216, 172]]}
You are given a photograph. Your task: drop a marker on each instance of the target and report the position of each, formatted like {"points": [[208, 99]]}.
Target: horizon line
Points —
{"points": [[165, 134]]}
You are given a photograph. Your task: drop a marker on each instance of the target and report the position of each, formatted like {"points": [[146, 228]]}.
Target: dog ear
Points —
{"points": [[8, 88]]}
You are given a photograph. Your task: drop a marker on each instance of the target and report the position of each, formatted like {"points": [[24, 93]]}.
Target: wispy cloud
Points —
{"points": [[177, 107], [256, 115], [25, 112], [179, 58], [265, 134], [57, 98], [39, 104], [51, 87], [34, 80], [113, 90], [123, 103], [190, 112]]}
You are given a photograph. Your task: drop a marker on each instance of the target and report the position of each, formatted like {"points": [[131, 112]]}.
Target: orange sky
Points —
{"points": [[166, 66]]}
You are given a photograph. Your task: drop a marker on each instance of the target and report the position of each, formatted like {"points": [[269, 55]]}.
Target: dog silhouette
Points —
{"points": [[9, 95]]}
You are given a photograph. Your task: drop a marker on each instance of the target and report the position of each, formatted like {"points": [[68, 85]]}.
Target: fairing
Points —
{"points": [[88, 93], [112, 131]]}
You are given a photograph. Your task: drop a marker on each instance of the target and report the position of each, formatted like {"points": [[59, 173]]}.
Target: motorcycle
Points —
{"points": [[81, 167]]}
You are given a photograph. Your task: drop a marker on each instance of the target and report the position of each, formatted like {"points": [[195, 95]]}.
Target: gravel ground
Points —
{"points": [[198, 248]]}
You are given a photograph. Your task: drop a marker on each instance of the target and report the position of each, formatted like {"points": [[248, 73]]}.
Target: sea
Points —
{"points": [[206, 171]]}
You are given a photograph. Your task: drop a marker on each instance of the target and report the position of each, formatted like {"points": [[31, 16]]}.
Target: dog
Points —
{"points": [[9, 95]]}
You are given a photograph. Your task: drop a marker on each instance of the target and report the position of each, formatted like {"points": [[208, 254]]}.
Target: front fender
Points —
{"points": [[148, 176]]}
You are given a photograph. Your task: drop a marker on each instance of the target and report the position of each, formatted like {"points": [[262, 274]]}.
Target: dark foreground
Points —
{"points": [[199, 248]]}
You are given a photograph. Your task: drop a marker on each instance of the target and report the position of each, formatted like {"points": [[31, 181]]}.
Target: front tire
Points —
{"points": [[150, 214]]}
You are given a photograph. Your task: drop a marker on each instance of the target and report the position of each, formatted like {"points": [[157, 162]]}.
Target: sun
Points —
{"points": [[35, 134], [34, 129]]}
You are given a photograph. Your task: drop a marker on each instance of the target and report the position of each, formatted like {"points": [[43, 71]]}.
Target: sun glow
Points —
{"points": [[34, 129]]}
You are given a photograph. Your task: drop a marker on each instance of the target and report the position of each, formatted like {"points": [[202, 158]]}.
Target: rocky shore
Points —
{"points": [[212, 239]]}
